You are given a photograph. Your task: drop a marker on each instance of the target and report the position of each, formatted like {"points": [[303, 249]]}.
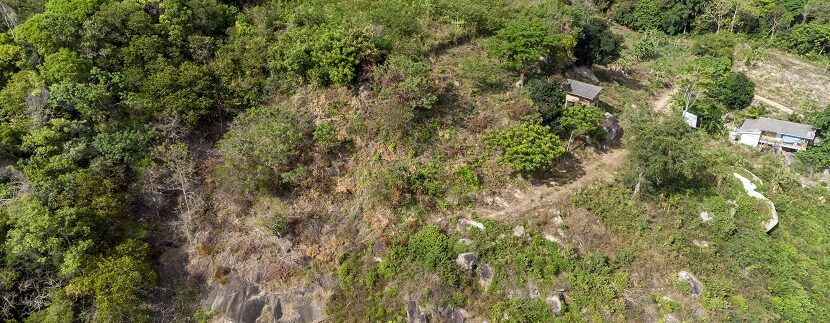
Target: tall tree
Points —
{"points": [[597, 44], [522, 42]]}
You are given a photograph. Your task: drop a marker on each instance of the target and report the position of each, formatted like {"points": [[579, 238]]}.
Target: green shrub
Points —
{"points": [[468, 177], [262, 146], [406, 82], [522, 310], [715, 45], [527, 147], [326, 55], [666, 305], [324, 134], [647, 45], [549, 98], [522, 42], [734, 90], [430, 247]]}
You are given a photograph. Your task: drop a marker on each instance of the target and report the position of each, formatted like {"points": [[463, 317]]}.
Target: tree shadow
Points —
{"points": [[608, 75], [567, 170]]}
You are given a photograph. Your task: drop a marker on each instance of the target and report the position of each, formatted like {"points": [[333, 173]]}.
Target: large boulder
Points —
{"points": [[467, 260]]}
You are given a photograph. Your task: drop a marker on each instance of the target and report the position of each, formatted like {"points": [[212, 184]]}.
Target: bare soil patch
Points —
{"points": [[788, 80]]}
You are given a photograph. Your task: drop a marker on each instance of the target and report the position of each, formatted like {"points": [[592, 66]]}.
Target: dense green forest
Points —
{"points": [[353, 128]]}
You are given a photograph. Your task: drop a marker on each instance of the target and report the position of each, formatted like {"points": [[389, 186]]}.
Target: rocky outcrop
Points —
{"points": [[751, 190], [453, 315], [244, 302], [413, 313], [612, 127]]}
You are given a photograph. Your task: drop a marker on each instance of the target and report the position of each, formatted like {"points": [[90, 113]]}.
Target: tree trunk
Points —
{"points": [[774, 26], [570, 139], [734, 17], [637, 187], [521, 82]]}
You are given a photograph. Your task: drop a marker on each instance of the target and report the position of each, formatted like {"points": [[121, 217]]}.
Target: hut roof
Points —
{"points": [[583, 90]]}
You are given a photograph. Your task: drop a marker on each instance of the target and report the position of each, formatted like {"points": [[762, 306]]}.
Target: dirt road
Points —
{"points": [[568, 180]]}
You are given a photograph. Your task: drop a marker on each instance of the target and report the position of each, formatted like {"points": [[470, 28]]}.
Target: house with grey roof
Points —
{"points": [[581, 92], [778, 134]]}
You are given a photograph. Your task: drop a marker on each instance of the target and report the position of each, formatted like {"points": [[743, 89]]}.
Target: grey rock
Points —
{"points": [[365, 91], [695, 287], [379, 249], [555, 303], [452, 315], [285, 245], [467, 260], [532, 290], [413, 313], [486, 273], [612, 127], [707, 216], [518, 231], [670, 318], [701, 243], [789, 160]]}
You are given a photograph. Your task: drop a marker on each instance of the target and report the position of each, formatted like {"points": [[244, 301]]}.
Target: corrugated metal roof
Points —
{"points": [[584, 90], [780, 127]]}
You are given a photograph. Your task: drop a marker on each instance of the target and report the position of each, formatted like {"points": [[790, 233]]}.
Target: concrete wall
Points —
{"points": [[750, 138]]}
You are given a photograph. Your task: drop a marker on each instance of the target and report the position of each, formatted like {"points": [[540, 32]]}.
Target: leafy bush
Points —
{"points": [[116, 282], [324, 134], [65, 64], [430, 247], [715, 45], [817, 156], [527, 147], [549, 98], [646, 46], [262, 147], [667, 152], [327, 55], [734, 90], [597, 44], [522, 42], [406, 82], [522, 310], [582, 120], [809, 38], [821, 121]]}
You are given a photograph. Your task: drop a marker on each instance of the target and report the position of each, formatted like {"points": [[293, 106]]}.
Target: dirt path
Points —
{"points": [[774, 104], [661, 104], [569, 179]]}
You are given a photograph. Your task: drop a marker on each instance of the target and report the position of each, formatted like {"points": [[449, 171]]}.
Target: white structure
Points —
{"points": [[776, 133]]}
